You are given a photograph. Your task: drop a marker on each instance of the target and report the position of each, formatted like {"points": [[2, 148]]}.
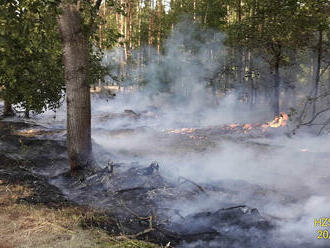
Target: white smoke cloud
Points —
{"points": [[286, 178]]}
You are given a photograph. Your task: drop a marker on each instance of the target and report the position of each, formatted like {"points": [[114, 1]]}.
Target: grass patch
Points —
{"points": [[30, 225]]}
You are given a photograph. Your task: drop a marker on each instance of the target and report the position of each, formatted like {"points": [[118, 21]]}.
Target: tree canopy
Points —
{"points": [[30, 55]]}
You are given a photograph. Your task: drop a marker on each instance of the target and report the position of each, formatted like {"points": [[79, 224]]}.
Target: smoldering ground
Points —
{"points": [[285, 178]]}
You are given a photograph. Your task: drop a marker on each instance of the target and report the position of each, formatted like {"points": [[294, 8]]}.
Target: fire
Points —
{"points": [[279, 121], [233, 125], [182, 131], [247, 126], [29, 132]]}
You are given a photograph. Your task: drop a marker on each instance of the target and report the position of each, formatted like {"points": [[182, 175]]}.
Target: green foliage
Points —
{"points": [[111, 37], [96, 70], [31, 72], [271, 26]]}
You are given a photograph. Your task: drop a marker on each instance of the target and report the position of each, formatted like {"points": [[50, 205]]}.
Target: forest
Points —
{"points": [[165, 123]]}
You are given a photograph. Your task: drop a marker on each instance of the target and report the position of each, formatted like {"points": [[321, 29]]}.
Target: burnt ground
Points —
{"points": [[36, 213], [17, 170], [130, 199]]}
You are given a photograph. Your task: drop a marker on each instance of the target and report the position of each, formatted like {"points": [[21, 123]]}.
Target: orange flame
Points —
{"points": [[233, 125], [182, 131], [279, 121], [247, 126]]}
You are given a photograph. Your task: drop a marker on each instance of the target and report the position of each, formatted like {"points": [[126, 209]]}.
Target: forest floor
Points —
{"points": [[34, 213], [42, 206]]}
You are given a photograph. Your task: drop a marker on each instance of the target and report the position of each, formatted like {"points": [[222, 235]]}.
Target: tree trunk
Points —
{"points": [[75, 56], [328, 98], [292, 86], [250, 83], [8, 110], [128, 27], [150, 29], [159, 28], [317, 71], [27, 114], [276, 100], [206, 11], [121, 26], [194, 10], [240, 50]]}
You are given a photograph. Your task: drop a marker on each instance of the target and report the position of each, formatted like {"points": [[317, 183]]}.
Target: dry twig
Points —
{"points": [[197, 185]]}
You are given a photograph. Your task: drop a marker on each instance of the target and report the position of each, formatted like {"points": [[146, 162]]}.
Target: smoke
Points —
{"points": [[177, 83], [287, 179]]}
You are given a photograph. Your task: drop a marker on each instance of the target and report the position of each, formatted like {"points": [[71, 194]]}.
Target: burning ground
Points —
{"points": [[240, 184]]}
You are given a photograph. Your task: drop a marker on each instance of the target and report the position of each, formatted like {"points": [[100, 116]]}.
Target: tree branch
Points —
{"points": [[94, 12], [324, 126], [315, 116], [97, 5]]}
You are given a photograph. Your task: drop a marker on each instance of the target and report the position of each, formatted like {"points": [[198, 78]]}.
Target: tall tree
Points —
{"points": [[319, 12], [77, 24], [75, 40], [273, 28]]}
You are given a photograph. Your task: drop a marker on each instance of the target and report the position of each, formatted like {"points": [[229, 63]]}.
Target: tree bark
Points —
{"points": [[150, 29], [317, 70], [75, 56], [159, 28], [328, 85], [194, 10], [250, 83], [276, 100], [8, 110], [128, 29], [291, 91], [27, 114]]}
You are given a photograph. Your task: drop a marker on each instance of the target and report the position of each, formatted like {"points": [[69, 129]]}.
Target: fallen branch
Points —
{"points": [[133, 213], [132, 189], [197, 185], [176, 211], [134, 236], [234, 207]]}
